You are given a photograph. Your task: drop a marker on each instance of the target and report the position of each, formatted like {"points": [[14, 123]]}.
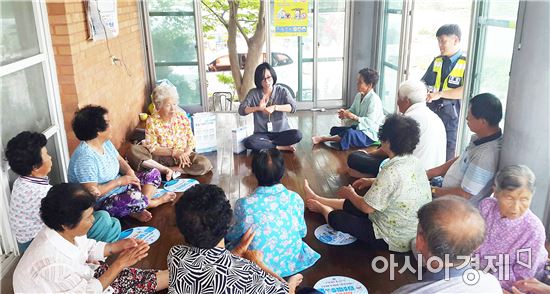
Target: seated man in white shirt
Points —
{"points": [[431, 148], [449, 230], [471, 174]]}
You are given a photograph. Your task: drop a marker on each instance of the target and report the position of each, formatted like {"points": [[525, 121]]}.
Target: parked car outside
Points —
{"points": [[218, 72]]}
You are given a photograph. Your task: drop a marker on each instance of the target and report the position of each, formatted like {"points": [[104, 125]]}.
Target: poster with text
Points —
{"points": [[290, 17]]}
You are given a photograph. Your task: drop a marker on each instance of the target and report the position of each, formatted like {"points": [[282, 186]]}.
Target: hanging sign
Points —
{"points": [[102, 19]]}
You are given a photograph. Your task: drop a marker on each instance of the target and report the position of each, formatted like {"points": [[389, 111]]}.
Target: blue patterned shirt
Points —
{"points": [[277, 216]]}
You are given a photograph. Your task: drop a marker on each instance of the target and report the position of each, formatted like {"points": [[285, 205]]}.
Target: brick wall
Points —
{"points": [[85, 72]]}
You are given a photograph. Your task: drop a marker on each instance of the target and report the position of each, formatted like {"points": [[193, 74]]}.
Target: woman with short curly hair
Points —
{"points": [[386, 216], [203, 216], [96, 164], [28, 156], [279, 240], [61, 259]]}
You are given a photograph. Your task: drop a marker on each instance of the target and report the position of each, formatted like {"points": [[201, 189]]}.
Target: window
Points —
{"points": [[389, 48], [29, 100], [493, 43], [174, 46]]}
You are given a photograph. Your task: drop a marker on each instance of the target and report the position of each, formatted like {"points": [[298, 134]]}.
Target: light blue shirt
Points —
{"points": [[277, 216], [454, 58], [370, 112], [88, 166]]}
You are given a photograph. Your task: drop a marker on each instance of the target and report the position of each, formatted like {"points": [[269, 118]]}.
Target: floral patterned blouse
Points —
{"points": [[277, 216], [513, 249], [400, 189], [176, 133]]}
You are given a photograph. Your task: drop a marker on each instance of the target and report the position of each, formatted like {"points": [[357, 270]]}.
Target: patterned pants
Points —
{"points": [[131, 200], [131, 280]]}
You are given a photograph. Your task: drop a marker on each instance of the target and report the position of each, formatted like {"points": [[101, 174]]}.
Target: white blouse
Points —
{"points": [[53, 264]]}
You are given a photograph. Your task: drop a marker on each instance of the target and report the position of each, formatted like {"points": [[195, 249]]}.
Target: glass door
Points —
{"points": [[314, 65], [331, 44], [493, 29], [392, 15], [172, 27], [30, 99], [494, 42]]}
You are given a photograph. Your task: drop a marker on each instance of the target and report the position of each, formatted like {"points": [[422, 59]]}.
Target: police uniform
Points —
{"points": [[446, 73]]}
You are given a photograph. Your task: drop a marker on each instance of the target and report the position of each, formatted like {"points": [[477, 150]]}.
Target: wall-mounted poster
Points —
{"points": [[102, 19], [290, 17]]}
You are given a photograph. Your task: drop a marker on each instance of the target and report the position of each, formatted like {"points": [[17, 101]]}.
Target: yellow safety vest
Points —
{"points": [[455, 78]]}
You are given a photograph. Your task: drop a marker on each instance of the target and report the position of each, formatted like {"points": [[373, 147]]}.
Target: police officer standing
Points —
{"points": [[445, 79]]}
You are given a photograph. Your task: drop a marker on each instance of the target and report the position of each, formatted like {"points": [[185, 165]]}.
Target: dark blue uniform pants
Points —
{"points": [[448, 112]]}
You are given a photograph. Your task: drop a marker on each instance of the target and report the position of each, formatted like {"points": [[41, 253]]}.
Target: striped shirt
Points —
{"points": [[475, 169], [88, 166], [216, 270]]}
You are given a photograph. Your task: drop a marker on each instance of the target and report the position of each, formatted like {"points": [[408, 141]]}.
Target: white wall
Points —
{"points": [[363, 39], [527, 124]]}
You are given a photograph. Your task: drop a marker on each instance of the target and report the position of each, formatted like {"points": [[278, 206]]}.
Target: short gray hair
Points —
{"points": [[414, 90], [451, 227], [163, 92], [515, 177]]}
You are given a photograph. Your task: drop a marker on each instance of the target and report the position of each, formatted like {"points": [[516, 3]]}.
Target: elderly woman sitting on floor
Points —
{"points": [[96, 164], [28, 157], [169, 141], [277, 216], [515, 237], [385, 218], [61, 258], [362, 119]]}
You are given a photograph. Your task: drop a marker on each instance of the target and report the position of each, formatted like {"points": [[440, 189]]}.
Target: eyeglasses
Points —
{"points": [[267, 78]]}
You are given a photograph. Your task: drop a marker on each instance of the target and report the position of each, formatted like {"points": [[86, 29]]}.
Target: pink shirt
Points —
{"points": [[513, 248]]}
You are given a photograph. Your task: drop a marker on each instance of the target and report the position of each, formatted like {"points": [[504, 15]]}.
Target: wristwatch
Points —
{"points": [[433, 190], [275, 107]]}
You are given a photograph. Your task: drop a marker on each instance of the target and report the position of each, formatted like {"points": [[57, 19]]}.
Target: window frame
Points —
{"points": [[56, 129]]}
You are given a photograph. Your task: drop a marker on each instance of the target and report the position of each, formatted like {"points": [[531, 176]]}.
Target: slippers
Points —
{"points": [[333, 145]]}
